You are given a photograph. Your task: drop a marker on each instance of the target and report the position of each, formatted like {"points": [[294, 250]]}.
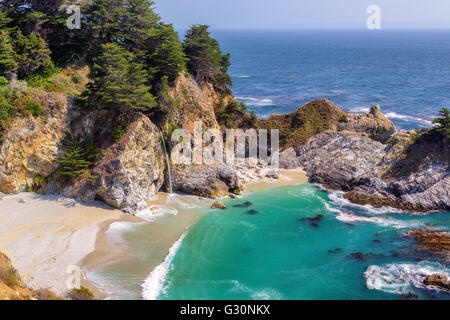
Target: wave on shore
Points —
{"points": [[398, 278], [154, 284]]}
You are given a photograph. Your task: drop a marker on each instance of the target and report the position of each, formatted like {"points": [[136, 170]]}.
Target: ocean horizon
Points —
{"points": [[405, 71]]}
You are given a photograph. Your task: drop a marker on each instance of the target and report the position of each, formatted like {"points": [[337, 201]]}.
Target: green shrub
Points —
{"points": [[3, 82], [77, 159], [119, 132], [343, 118], [33, 107], [9, 277], [80, 294]]}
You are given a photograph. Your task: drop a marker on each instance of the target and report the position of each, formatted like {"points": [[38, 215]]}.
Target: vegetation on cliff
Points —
{"points": [[132, 53]]}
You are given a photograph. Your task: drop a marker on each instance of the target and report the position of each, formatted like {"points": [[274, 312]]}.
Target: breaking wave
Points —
{"points": [[154, 284], [399, 278], [155, 212], [256, 102]]}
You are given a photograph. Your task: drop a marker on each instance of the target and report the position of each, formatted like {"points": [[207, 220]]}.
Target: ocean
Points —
{"points": [[269, 249], [406, 72]]}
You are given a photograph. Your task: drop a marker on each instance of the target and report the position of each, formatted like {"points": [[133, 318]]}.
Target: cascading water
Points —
{"points": [[168, 160]]}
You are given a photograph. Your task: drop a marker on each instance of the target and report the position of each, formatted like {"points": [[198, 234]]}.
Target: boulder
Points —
{"points": [[289, 159], [437, 280], [373, 123], [218, 205], [210, 181]]}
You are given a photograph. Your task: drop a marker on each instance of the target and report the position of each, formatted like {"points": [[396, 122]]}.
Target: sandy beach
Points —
{"points": [[44, 235]]}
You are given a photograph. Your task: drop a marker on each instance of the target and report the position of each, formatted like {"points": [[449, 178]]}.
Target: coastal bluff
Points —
{"points": [[361, 154], [373, 163]]}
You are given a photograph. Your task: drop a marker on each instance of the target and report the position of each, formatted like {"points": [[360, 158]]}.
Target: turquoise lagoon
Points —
{"points": [[263, 246]]}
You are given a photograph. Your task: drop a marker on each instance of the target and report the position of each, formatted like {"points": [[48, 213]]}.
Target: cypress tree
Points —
{"points": [[119, 81], [33, 54], [8, 64], [165, 57], [205, 59]]}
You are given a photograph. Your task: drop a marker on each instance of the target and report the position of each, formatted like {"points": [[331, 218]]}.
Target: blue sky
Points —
{"points": [[295, 14]]}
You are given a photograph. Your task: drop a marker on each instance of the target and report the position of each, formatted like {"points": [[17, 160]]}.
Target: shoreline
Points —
{"points": [[42, 234], [167, 229]]}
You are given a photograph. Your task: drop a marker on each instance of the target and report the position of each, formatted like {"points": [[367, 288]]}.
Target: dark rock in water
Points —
{"points": [[376, 240], [358, 256], [334, 251], [317, 218], [315, 225], [350, 224], [437, 280], [252, 212], [410, 296], [243, 205], [395, 253], [378, 234], [432, 242]]}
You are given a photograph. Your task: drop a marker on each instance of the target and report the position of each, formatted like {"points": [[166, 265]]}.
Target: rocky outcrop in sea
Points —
{"points": [[373, 163]]}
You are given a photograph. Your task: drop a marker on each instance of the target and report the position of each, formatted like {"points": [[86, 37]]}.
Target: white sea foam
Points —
{"points": [[394, 115], [398, 278], [348, 217], [337, 197], [258, 102], [155, 212], [153, 286], [256, 294], [245, 76]]}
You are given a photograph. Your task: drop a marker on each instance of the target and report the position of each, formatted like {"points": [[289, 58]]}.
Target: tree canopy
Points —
{"points": [[443, 122], [205, 59], [123, 41]]}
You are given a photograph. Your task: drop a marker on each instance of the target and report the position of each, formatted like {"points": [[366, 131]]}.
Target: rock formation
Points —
{"points": [[437, 280], [364, 156]]}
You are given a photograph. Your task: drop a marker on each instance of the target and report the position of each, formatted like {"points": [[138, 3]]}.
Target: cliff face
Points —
{"points": [[31, 146], [129, 171], [11, 285], [361, 154], [365, 157], [199, 103]]}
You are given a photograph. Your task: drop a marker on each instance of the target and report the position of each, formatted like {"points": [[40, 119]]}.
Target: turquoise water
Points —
{"points": [[273, 253]]}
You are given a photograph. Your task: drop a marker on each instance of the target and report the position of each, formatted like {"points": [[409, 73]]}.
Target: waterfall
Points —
{"points": [[168, 160]]}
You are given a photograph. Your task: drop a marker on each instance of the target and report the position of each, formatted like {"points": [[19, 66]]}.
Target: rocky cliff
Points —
{"points": [[362, 155], [375, 164]]}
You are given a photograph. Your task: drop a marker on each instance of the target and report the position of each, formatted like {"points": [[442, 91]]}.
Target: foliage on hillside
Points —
{"points": [[133, 55], [298, 127], [205, 59]]}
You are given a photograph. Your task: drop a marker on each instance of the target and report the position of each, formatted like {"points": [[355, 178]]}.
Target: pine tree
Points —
{"points": [[443, 122], [33, 55], [8, 65], [165, 57], [119, 82], [205, 59]]}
